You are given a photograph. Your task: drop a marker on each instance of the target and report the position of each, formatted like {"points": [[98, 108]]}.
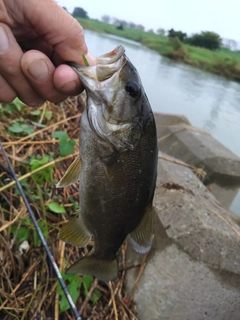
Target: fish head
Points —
{"points": [[116, 102]]}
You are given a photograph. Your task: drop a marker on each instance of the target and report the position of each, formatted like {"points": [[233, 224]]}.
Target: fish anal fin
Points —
{"points": [[141, 237], [75, 232], [72, 174], [105, 270]]}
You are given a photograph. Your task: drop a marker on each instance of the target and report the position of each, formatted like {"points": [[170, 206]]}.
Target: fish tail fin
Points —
{"points": [[102, 269]]}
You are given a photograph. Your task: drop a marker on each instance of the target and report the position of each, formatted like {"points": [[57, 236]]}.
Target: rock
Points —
{"points": [[164, 120], [193, 269], [198, 148]]}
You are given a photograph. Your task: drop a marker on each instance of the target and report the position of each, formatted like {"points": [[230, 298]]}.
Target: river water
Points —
{"points": [[208, 101]]}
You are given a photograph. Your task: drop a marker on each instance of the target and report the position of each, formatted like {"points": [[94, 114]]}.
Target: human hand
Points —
{"points": [[36, 37]]}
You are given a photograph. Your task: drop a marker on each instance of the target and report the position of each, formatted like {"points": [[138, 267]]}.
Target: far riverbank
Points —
{"points": [[223, 62]]}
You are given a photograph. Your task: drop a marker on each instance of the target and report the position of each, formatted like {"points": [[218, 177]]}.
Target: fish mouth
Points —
{"points": [[107, 65], [112, 56]]}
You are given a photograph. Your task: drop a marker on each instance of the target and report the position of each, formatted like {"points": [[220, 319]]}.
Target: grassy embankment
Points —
{"points": [[222, 62]]}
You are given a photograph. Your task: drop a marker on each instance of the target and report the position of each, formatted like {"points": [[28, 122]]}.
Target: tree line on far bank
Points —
{"points": [[206, 39]]}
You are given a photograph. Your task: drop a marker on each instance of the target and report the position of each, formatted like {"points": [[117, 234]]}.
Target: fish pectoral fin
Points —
{"points": [[141, 237], [75, 232], [113, 166], [105, 270], [72, 174]]}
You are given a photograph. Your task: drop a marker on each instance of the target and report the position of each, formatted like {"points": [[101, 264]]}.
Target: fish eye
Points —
{"points": [[132, 88]]}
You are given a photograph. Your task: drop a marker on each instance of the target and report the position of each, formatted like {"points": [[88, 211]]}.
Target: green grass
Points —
{"points": [[223, 62]]}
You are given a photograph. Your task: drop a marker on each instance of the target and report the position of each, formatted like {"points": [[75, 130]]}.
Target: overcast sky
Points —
{"points": [[221, 16]]}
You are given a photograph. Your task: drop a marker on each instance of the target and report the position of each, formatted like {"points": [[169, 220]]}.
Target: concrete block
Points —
{"points": [[193, 269]]}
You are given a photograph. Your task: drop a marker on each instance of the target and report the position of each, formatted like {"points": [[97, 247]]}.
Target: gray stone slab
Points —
{"points": [[200, 149], [164, 120], [193, 269]]}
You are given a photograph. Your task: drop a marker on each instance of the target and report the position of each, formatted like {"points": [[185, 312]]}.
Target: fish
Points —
{"points": [[116, 168]]}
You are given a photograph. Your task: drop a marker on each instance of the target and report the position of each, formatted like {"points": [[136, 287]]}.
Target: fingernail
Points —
{"points": [[4, 42], [39, 70], [69, 87]]}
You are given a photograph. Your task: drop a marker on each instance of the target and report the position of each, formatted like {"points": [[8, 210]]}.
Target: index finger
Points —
{"points": [[58, 28]]}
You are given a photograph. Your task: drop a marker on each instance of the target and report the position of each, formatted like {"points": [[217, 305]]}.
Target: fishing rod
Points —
{"points": [[40, 234]]}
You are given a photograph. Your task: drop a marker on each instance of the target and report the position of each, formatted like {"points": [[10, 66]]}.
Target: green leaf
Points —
{"points": [[9, 108], [18, 104], [96, 295], [61, 135], [74, 284], [36, 163], [66, 147], [75, 205], [27, 129], [23, 233], [35, 113], [63, 303], [87, 283], [39, 125], [43, 226], [43, 175], [56, 207], [48, 114], [16, 127], [27, 222]]}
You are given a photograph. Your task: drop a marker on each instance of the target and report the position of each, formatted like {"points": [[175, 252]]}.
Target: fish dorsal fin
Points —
{"points": [[141, 236], [72, 174], [75, 232], [102, 269]]}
